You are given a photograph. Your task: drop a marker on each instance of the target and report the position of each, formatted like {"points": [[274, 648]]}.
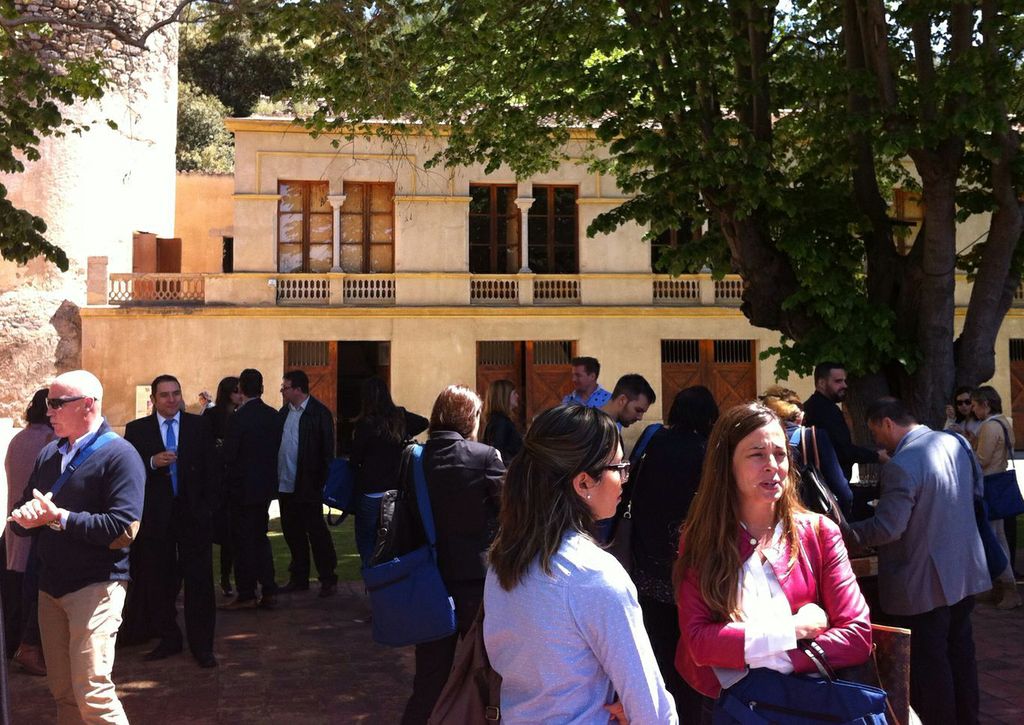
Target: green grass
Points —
{"points": [[344, 545]]}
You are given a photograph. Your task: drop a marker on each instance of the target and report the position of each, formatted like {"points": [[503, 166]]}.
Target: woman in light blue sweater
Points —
{"points": [[562, 624]]}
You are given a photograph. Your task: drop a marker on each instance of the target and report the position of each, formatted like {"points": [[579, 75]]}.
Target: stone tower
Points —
{"points": [[93, 190]]}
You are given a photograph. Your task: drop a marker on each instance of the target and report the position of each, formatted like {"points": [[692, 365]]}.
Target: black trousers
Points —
{"points": [[183, 557], [434, 659], [304, 528], [254, 562], [662, 624], [943, 669]]}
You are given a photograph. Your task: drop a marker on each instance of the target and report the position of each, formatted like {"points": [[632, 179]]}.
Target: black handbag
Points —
{"points": [[814, 493], [621, 545]]}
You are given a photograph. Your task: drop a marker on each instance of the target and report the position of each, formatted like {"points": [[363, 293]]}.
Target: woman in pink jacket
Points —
{"points": [[756, 572]]}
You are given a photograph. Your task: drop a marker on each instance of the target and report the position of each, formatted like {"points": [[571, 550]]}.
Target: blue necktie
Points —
{"points": [[172, 445]]}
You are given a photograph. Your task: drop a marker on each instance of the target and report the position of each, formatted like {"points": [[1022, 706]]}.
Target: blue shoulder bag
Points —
{"points": [[340, 489], [409, 600], [1002, 491]]}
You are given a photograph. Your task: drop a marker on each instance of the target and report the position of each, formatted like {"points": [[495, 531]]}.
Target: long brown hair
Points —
{"points": [[709, 533], [497, 399], [538, 502], [379, 412]]}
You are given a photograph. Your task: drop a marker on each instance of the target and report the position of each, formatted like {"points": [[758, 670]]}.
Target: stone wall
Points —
{"points": [[93, 190]]}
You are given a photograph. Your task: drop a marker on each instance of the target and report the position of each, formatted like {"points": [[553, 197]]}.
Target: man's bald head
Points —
{"points": [[79, 393], [81, 382]]}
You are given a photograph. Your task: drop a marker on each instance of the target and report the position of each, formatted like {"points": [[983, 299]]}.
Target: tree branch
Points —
{"points": [[113, 29]]}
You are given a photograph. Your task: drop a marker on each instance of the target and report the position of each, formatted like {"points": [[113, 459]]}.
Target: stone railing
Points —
{"points": [[156, 289], [729, 290], [303, 290], [369, 289], [556, 290], [676, 290], [415, 289], [494, 289]]}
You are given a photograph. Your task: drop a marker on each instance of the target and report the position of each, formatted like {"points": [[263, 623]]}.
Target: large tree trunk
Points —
{"points": [[933, 380]]}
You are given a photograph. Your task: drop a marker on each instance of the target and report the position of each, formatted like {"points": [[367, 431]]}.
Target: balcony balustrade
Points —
{"points": [[267, 289], [156, 289]]}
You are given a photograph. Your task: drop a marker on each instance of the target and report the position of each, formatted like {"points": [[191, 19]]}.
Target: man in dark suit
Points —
{"points": [[176, 539], [821, 410], [307, 448], [250, 476]]}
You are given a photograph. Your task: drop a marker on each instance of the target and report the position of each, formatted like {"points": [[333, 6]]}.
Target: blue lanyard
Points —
{"points": [[97, 442]]}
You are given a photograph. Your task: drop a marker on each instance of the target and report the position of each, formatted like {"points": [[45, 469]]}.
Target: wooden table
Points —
{"points": [[864, 566]]}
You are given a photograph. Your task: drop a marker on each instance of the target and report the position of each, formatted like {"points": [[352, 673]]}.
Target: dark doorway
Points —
{"points": [[227, 259], [357, 361], [336, 373]]}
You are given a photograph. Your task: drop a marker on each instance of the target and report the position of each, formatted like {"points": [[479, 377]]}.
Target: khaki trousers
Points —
{"points": [[78, 635]]}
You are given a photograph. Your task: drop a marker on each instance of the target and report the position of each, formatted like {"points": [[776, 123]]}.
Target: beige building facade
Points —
{"points": [[356, 260]]}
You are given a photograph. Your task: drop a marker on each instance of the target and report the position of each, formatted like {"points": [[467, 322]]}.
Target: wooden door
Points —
{"points": [[726, 367], [319, 360], [548, 374], [680, 368], [1017, 390], [500, 360], [732, 371]]}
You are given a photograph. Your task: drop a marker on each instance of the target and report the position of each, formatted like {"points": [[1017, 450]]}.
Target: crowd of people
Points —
{"points": [[728, 572]]}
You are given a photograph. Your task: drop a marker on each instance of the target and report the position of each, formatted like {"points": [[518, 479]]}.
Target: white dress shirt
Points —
{"points": [[769, 629], [288, 453], [163, 432]]}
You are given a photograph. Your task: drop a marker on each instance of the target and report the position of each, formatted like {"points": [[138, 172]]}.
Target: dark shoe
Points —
{"points": [[206, 660], [328, 589], [237, 604], [30, 658], [226, 589], [293, 587], [268, 601], [161, 652]]}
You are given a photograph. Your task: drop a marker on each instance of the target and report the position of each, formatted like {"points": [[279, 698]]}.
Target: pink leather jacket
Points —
{"points": [[821, 575]]}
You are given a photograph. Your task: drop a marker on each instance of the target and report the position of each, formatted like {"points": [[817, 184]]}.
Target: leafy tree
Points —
{"points": [[785, 126], [234, 68], [37, 83], [204, 144]]}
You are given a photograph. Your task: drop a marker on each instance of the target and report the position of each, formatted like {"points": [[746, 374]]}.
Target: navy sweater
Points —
{"points": [[103, 497]]}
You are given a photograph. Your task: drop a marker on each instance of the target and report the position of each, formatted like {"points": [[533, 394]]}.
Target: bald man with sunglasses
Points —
{"points": [[83, 501]]}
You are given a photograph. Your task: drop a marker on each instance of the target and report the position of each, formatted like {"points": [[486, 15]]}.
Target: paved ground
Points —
{"points": [[309, 661]]}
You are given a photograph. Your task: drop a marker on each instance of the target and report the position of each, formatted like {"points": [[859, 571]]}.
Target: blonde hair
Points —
{"points": [[709, 539], [497, 399], [785, 403]]}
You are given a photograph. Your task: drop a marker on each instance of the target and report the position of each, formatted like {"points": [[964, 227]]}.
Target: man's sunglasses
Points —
{"points": [[965, 401], [58, 403]]}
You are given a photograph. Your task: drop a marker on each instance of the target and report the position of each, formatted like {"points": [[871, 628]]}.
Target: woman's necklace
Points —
{"points": [[762, 539]]}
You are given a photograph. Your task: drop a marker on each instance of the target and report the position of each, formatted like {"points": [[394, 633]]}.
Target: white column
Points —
{"points": [[524, 203], [336, 200]]}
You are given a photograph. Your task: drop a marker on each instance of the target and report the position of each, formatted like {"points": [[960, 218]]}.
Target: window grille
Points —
{"points": [[307, 354], [680, 351]]}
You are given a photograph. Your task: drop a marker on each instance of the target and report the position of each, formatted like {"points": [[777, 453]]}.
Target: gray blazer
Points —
{"points": [[929, 551]]}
